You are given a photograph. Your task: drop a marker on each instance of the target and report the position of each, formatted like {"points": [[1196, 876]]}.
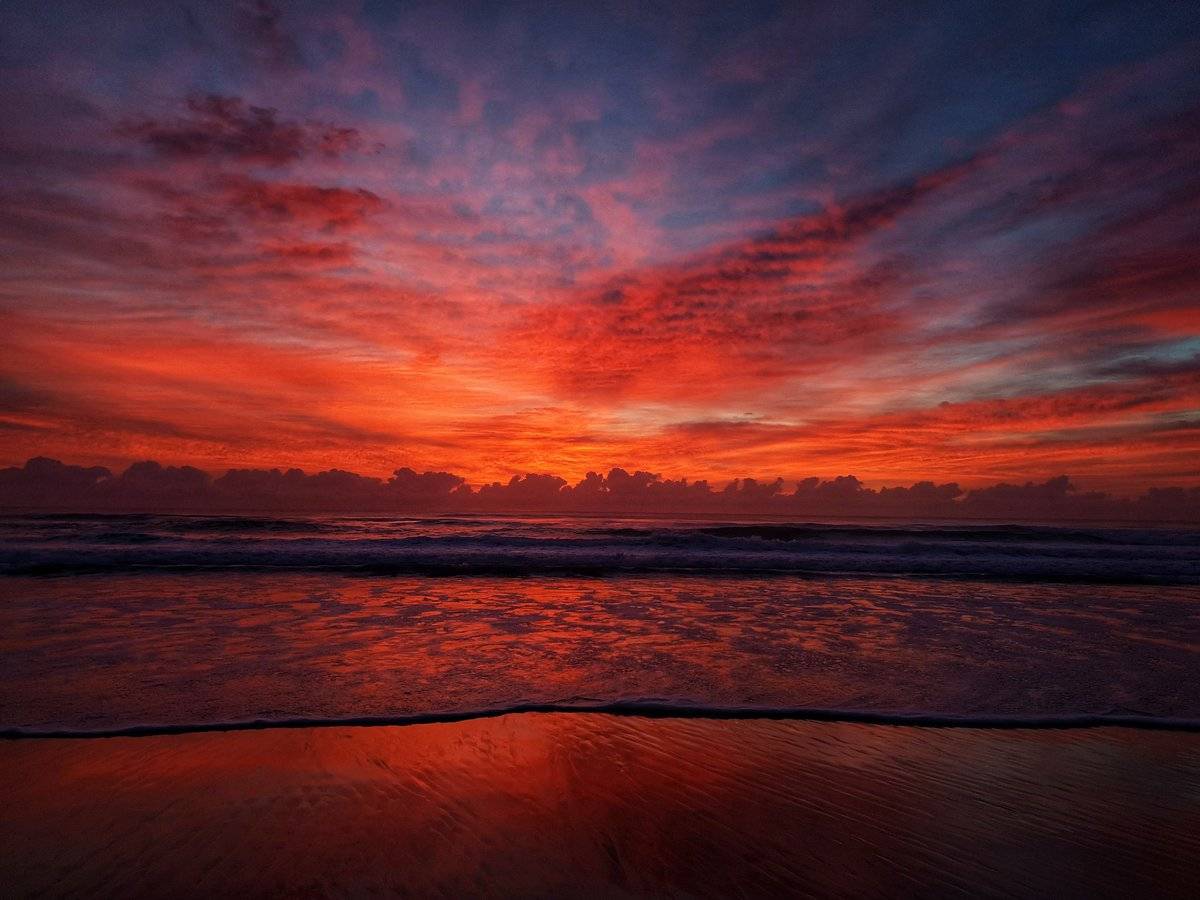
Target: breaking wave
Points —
{"points": [[65, 545]]}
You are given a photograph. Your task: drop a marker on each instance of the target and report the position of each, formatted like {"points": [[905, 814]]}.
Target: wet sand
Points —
{"points": [[599, 805]]}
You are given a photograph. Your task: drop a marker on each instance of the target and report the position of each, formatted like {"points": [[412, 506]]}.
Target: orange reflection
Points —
{"points": [[569, 804]]}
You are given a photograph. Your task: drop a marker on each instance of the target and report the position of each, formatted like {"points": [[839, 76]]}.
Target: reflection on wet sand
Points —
{"points": [[601, 805]]}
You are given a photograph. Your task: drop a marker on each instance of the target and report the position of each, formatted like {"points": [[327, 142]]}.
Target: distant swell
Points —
{"points": [[644, 709], [44, 545], [1109, 569], [822, 532]]}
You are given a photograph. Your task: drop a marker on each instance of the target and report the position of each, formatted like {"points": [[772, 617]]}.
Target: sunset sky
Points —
{"points": [[952, 241]]}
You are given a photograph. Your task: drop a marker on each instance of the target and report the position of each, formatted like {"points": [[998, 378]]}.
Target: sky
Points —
{"points": [[902, 241]]}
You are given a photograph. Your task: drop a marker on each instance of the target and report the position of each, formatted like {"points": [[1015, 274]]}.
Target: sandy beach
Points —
{"points": [[599, 805]]}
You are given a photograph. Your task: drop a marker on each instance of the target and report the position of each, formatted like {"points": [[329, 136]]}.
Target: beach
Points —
{"points": [[600, 805], [336, 706]]}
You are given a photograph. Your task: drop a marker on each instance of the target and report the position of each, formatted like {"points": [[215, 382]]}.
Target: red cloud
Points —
{"points": [[328, 208], [790, 301], [307, 253]]}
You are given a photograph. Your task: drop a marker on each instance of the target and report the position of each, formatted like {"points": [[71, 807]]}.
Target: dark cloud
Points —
{"points": [[522, 492], [265, 38], [151, 483], [430, 485], [18, 397], [328, 208], [49, 484], [219, 127]]}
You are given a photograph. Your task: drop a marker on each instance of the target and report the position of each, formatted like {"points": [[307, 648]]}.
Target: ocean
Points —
{"points": [[114, 622], [856, 677]]}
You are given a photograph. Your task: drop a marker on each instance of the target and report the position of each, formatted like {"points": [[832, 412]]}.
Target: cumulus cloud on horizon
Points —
{"points": [[50, 485]]}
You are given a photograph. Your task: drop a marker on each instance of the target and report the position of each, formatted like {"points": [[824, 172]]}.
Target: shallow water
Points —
{"points": [[94, 652], [596, 805]]}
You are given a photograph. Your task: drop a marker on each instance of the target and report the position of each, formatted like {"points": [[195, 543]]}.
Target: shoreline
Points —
{"points": [[639, 709]]}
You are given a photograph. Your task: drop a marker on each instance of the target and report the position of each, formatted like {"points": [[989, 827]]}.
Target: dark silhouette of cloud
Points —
{"points": [[47, 484]]}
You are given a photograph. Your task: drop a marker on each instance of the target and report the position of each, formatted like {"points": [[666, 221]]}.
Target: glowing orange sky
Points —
{"points": [[338, 237]]}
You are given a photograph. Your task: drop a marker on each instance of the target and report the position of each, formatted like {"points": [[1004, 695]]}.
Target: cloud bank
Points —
{"points": [[44, 484]]}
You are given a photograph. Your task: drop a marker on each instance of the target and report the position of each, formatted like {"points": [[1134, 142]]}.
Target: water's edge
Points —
{"points": [[642, 709]]}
